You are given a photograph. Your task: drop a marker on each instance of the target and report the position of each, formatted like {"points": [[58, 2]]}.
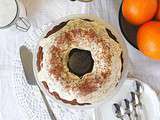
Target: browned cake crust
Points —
{"points": [[39, 58], [56, 95]]}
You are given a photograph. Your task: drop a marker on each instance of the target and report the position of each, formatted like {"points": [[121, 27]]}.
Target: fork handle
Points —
{"points": [[126, 117], [141, 113]]}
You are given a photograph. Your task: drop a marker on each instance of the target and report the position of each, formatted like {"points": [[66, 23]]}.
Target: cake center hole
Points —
{"points": [[80, 62]]}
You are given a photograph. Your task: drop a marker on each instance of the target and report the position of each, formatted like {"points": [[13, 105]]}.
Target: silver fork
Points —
{"points": [[128, 108], [138, 108], [27, 60], [119, 112], [139, 89]]}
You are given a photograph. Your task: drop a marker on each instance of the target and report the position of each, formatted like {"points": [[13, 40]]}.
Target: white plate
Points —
{"points": [[149, 99]]}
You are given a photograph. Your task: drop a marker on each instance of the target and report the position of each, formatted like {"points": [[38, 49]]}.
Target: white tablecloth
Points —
{"points": [[41, 12]]}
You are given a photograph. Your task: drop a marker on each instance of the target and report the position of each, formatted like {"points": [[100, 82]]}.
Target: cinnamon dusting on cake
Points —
{"points": [[56, 61], [87, 35]]}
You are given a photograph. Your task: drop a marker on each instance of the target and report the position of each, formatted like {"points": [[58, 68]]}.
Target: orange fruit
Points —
{"points": [[158, 11], [148, 39], [138, 12]]}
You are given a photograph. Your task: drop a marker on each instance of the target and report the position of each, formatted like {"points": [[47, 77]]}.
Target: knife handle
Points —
{"points": [[51, 114]]}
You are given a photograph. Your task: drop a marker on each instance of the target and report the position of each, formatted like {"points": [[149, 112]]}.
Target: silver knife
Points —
{"points": [[27, 63]]}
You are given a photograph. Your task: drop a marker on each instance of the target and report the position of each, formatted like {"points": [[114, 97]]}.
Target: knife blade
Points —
{"points": [[27, 63], [26, 59]]}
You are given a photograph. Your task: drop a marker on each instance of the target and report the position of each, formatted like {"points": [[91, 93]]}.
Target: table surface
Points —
{"points": [[41, 12]]}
